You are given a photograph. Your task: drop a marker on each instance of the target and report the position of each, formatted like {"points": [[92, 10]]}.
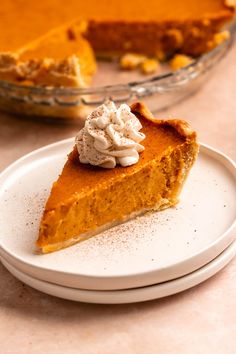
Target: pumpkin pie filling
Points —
{"points": [[88, 199]]}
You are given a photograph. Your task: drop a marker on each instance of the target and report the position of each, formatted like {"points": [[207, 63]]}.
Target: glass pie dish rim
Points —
{"points": [[140, 87]]}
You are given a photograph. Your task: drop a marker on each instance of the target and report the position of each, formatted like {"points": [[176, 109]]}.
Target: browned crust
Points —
{"points": [[230, 3], [45, 72], [181, 126]]}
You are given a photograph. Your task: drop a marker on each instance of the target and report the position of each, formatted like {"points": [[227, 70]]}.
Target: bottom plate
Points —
{"points": [[153, 248], [132, 295]]}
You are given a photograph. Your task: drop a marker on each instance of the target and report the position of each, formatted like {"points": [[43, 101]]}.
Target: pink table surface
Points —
{"points": [[201, 320]]}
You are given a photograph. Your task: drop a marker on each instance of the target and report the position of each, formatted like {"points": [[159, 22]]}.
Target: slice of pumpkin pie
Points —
{"points": [[124, 163]]}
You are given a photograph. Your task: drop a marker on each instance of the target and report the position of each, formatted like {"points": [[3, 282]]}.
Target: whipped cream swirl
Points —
{"points": [[110, 136]]}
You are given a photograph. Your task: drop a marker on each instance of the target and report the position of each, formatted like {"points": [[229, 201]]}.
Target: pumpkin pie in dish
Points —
{"points": [[63, 57], [124, 162]]}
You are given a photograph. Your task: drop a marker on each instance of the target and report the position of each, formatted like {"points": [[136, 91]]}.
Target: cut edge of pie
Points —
{"points": [[82, 211], [61, 57]]}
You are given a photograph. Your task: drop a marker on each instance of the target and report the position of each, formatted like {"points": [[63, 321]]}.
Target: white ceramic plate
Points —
{"points": [[148, 250], [129, 295]]}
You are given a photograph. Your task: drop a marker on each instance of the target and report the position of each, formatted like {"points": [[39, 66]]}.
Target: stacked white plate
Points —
{"points": [[152, 256]]}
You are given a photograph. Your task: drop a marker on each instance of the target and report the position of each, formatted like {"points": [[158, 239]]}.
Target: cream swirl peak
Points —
{"points": [[110, 136]]}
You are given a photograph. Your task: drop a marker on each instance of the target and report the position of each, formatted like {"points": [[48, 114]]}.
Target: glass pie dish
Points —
{"points": [[158, 92]]}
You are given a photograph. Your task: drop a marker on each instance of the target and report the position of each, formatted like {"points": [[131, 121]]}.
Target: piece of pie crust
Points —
{"points": [[86, 199]]}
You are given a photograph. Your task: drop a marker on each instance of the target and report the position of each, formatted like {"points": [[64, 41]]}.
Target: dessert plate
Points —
{"points": [[129, 295], [150, 249]]}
